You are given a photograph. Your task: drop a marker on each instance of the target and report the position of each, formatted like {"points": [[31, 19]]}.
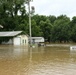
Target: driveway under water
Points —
{"points": [[22, 60]]}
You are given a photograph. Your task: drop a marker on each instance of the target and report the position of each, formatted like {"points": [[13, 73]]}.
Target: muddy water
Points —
{"points": [[15, 60]]}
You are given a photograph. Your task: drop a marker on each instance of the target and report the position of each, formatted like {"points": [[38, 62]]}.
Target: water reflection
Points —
{"points": [[22, 60], [12, 51]]}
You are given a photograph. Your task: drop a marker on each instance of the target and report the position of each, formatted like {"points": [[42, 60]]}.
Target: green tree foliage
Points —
{"points": [[36, 31], [60, 30], [12, 13], [73, 29], [52, 19], [46, 29]]}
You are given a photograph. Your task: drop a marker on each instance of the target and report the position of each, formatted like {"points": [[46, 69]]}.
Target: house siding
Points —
{"points": [[18, 40]]}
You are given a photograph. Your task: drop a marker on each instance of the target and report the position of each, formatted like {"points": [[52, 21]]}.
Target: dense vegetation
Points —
{"points": [[13, 16]]}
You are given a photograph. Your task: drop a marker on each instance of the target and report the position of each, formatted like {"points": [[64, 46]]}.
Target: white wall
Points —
{"points": [[16, 41], [24, 40], [21, 40], [38, 39]]}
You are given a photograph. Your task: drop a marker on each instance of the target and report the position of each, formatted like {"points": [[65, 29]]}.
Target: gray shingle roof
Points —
{"points": [[9, 33]]}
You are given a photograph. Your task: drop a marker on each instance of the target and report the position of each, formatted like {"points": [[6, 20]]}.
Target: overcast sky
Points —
{"points": [[55, 7]]}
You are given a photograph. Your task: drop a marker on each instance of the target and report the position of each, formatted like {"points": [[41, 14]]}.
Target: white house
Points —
{"points": [[15, 38], [20, 40], [37, 39]]}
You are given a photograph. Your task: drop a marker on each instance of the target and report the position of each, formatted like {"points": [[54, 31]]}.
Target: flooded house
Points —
{"points": [[13, 38], [38, 40]]}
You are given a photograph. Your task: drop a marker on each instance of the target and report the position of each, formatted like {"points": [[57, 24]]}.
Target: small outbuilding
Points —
{"points": [[15, 38], [37, 39]]}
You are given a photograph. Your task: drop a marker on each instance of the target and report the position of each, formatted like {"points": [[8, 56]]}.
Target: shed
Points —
{"points": [[37, 39], [15, 38]]}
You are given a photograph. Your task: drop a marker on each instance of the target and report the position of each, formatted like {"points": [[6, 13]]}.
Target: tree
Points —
{"points": [[46, 29], [52, 19], [61, 28], [36, 31], [12, 13], [73, 29]]}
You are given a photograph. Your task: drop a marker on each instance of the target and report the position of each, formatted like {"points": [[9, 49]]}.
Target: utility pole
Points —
{"points": [[29, 22], [30, 13]]}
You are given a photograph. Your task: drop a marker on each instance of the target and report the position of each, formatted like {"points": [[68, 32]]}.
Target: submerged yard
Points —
{"points": [[50, 60]]}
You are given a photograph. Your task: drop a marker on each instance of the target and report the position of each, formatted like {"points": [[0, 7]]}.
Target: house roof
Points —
{"points": [[9, 33], [37, 37]]}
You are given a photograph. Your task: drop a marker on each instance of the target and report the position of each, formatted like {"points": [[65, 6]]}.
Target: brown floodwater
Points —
{"points": [[21, 60]]}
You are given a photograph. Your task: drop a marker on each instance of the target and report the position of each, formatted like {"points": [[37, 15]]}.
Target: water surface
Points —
{"points": [[21, 60]]}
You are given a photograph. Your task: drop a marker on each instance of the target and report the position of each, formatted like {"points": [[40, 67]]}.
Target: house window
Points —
{"points": [[25, 41]]}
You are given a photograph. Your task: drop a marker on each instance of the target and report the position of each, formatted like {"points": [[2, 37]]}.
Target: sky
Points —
{"points": [[55, 7]]}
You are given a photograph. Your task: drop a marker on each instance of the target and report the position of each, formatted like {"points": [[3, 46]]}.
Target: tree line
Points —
{"points": [[13, 17]]}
